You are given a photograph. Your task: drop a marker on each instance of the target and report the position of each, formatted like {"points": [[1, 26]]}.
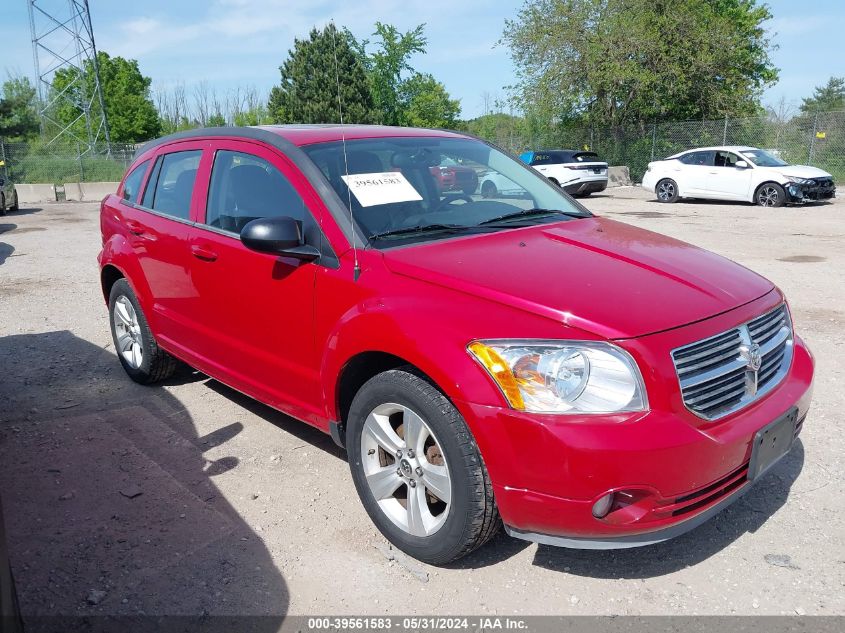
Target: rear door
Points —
{"points": [[694, 171], [257, 309], [726, 180], [158, 229]]}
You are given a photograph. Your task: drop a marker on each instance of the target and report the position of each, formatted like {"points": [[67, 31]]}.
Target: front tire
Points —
{"points": [[417, 469], [144, 361], [2, 204], [16, 206], [667, 191], [770, 194]]}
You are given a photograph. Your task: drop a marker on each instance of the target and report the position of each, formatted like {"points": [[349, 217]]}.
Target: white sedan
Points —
{"points": [[734, 172]]}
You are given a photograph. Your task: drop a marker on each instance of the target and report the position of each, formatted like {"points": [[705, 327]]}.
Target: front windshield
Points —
{"points": [[411, 189], [762, 158]]}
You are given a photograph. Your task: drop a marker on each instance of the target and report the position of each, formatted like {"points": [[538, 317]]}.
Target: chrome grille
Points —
{"points": [[726, 372]]}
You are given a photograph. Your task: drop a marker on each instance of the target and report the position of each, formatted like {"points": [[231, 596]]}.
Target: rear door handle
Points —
{"points": [[203, 253], [135, 228]]}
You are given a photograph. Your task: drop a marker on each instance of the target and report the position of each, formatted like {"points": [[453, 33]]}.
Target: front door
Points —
{"points": [[726, 180], [255, 310]]}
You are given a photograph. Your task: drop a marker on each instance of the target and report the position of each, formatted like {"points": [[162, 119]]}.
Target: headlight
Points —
{"points": [[800, 181], [563, 376]]}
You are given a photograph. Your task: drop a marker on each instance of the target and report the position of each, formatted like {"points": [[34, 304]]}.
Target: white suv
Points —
{"points": [[577, 173], [734, 172]]}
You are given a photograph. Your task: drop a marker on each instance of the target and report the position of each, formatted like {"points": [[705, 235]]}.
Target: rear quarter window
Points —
{"points": [[171, 184], [132, 182]]}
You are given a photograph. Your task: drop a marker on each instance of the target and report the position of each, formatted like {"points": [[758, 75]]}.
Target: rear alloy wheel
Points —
{"points": [[667, 191], [140, 355], [488, 189], [417, 468], [770, 195]]}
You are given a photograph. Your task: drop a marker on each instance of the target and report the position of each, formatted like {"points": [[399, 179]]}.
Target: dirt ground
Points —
{"points": [[189, 498]]}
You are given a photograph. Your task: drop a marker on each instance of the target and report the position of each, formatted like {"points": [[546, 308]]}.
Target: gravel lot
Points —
{"points": [[190, 498]]}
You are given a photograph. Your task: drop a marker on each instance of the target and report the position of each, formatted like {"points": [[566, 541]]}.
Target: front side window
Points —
{"points": [[132, 183], [395, 198], [172, 184], [726, 159], [244, 188]]}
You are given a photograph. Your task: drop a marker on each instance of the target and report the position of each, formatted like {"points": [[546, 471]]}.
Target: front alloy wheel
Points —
{"points": [[405, 469], [771, 195], [417, 469]]}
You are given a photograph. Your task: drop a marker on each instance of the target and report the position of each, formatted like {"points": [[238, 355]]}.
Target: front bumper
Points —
{"points": [[822, 189], [548, 471]]}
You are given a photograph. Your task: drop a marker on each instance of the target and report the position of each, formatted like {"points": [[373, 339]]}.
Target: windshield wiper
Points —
{"points": [[425, 228], [529, 212]]}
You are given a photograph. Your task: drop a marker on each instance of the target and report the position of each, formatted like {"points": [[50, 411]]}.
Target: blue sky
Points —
{"points": [[242, 42]]}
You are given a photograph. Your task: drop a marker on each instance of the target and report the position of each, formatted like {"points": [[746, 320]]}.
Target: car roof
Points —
{"points": [[324, 133], [716, 148]]}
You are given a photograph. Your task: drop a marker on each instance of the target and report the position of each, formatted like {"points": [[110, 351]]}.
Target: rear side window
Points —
{"points": [[244, 188], [172, 183], [132, 183], [697, 158], [551, 158]]}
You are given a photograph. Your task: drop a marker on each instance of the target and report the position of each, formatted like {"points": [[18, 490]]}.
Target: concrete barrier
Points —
{"points": [[73, 191], [28, 193], [94, 191], [618, 177]]}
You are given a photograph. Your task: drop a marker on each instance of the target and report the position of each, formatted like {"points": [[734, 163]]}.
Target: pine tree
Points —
{"points": [[308, 92]]}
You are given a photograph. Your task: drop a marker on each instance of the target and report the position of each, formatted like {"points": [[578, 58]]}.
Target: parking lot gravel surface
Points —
{"points": [[189, 498]]}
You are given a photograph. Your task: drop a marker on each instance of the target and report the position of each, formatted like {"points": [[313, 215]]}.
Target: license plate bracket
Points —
{"points": [[772, 443]]}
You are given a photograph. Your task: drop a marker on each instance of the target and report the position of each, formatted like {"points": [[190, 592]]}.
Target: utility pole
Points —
{"points": [[63, 40]]}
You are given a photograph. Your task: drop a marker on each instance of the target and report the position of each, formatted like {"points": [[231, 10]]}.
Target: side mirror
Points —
{"points": [[278, 236], [741, 164]]}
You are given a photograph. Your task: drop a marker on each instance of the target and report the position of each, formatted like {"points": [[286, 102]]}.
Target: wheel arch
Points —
{"points": [[768, 181], [108, 277], [357, 371]]}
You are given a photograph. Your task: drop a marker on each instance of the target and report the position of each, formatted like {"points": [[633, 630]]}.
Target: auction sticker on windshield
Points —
{"points": [[383, 188]]}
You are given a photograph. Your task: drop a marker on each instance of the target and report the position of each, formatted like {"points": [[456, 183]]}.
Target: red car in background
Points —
{"points": [[522, 361], [449, 175]]}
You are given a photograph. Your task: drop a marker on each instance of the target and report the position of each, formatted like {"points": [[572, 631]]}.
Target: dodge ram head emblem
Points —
{"points": [[753, 360]]}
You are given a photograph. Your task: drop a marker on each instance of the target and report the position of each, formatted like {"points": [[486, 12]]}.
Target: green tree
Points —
{"points": [[827, 98], [308, 92], [387, 64], [616, 62], [424, 102], [131, 114], [18, 109]]}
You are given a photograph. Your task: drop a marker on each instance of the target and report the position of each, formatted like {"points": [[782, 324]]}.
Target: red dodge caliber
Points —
{"points": [[510, 360]]}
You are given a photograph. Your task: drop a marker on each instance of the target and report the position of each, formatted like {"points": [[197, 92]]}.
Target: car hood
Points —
{"points": [[602, 276], [802, 171]]}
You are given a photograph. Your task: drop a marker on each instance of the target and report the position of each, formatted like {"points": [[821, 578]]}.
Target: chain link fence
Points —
{"points": [[811, 139], [56, 164], [814, 139]]}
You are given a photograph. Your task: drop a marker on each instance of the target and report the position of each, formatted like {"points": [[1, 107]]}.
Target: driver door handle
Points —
{"points": [[203, 253]]}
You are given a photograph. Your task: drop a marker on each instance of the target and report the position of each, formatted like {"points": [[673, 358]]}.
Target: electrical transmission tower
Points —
{"points": [[63, 41]]}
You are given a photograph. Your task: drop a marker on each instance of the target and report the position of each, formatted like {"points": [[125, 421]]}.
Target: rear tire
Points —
{"points": [[667, 191], [15, 206], [2, 204], [431, 495], [144, 361], [489, 189], [770, 194]]}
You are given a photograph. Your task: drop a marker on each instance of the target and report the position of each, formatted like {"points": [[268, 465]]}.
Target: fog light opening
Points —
{"points": [[603, 505]]}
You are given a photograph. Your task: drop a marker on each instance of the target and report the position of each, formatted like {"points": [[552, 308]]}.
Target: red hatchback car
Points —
{"points": [[484, 361]]}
